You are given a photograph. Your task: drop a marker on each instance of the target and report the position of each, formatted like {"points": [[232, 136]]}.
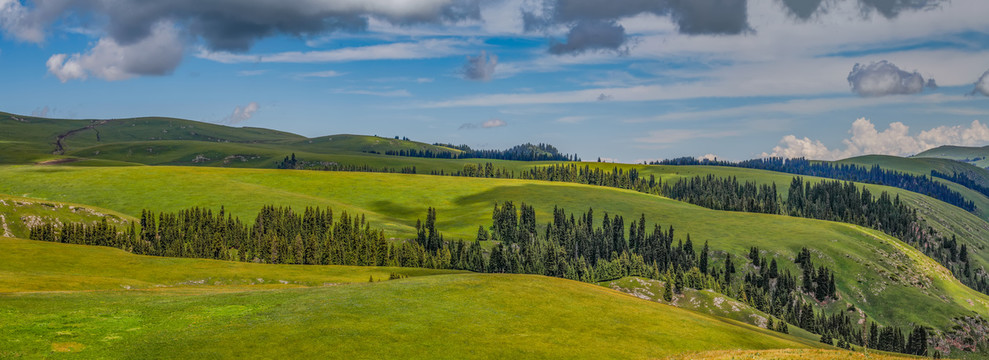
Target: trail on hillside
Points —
{"points": [[60, 148]]}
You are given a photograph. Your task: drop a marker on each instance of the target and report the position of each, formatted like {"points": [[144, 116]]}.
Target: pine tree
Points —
{"points": [[703, 261]]}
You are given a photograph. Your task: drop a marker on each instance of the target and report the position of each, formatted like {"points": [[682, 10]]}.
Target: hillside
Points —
{"points": [[512, 315], [893, 283], [972, 155], [25, 139]]}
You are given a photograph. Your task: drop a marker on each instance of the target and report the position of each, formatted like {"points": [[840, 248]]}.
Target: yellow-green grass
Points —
{"points": [[436, 317], [892, 282], [789, 354], [32, 266], [18, 213], [703, 301]]}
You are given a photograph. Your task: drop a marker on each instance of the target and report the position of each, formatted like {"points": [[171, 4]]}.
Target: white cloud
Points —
{"points": [[158, 54], [895, 140], [493, 123], [242, 113], [321, 74], [711, 157], [16, 20], [425, 49]]}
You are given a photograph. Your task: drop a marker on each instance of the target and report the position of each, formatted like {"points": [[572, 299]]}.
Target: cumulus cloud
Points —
{"points": [[593, 24], [591, 35], [492, 123], [982, 85], [895, 140], [231, 24], [882, 78], [157, 54], [710, 157], [242, 113], [223, 25], [481, 67]]}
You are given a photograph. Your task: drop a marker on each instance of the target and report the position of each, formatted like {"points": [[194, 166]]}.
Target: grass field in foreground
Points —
{"points": [[892, 282], [453, 316], [27, 265], [787, 354]]}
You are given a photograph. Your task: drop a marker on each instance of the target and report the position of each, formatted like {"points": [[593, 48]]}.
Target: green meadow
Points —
{"points": [[51, 311], [892, 282]]}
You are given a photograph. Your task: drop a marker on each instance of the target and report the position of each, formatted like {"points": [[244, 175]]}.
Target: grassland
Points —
{"points": [[35, 266], [889, 280], [703, 301], [157, 141], [787, 354], [960, 153], [432, 314]]}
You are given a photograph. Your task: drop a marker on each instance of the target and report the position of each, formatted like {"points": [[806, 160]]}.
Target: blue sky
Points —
{"points": [[627, 80]]}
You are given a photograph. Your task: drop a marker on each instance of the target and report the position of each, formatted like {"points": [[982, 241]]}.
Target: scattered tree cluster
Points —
{"points": [[891, 338]]}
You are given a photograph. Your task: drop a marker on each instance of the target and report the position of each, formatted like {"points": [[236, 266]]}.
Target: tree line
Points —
{"points": [[963, 180], [849, 172], [570, 246], [524, 152], [833, 200], [291, 162]]}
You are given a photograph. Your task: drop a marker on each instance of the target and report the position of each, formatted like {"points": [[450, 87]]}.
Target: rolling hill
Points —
{"points": [[972, 155], [892, 282], [417, 317], [98, 164]]}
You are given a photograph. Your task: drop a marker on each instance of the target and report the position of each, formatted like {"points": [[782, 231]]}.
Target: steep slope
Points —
{"points": [[892, 282], [511, 316]]}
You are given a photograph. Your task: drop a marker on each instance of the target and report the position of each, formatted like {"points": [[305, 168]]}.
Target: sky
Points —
{"points": [[620, 80]]}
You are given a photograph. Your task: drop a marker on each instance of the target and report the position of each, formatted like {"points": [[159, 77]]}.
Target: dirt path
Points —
{"points": [[60, 148], [57, 161]]}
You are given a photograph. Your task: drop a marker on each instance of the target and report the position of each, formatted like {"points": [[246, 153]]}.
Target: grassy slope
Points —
{"points": [[788, 354], [154, 140], [16, 213], [960, 153], [27, 265], [923, 166], [510, 316], [891, 281], [705, 301]]}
